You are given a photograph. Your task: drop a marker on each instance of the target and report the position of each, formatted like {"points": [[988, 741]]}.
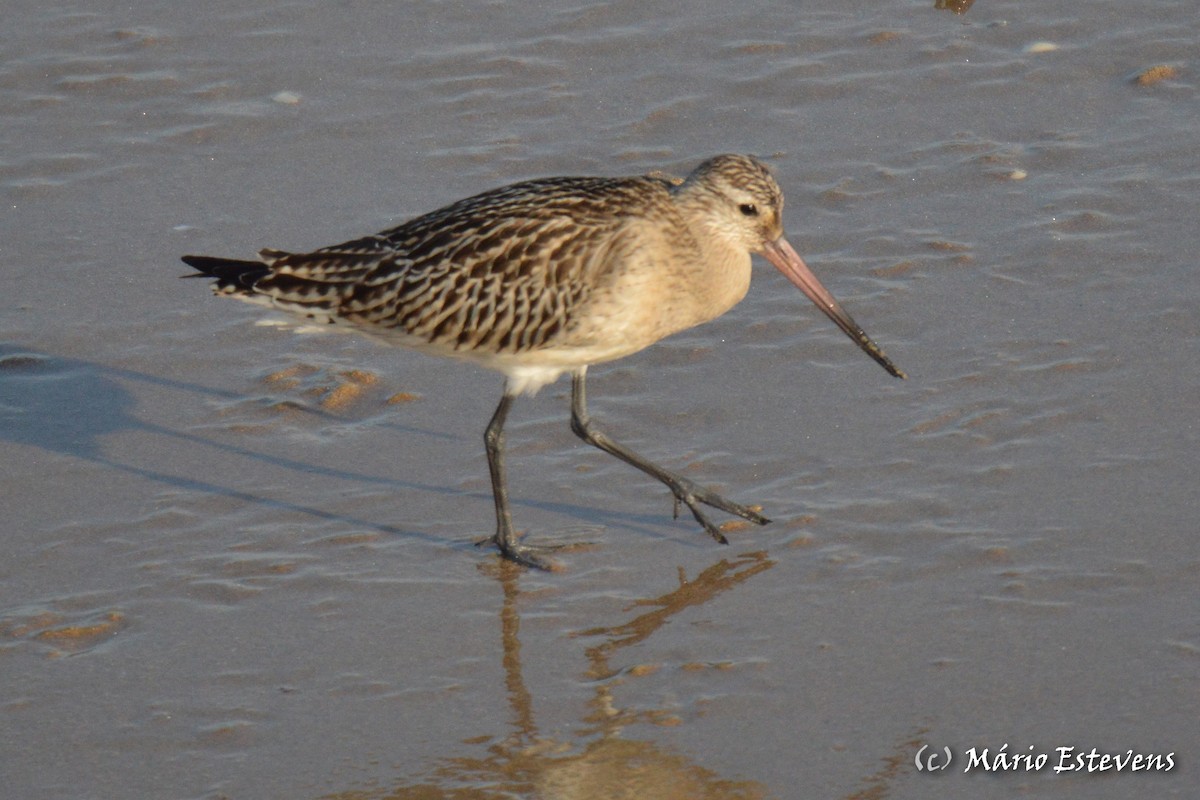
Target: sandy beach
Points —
{"points": [[239, 558]]}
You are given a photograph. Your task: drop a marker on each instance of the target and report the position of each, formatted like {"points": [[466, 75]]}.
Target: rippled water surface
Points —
{"points": [[239, 561]]}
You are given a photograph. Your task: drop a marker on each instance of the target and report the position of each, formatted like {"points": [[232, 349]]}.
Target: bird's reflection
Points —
{"points": [[601, 761]]}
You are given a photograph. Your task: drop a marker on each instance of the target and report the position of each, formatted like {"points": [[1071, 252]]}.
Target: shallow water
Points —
{"points": [[239, 559]]}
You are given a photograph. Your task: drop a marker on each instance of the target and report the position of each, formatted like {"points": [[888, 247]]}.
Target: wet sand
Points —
{"points": [[239, 558]]}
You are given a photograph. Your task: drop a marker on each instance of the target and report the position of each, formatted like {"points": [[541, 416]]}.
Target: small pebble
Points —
{"points": [[1156, 74]]}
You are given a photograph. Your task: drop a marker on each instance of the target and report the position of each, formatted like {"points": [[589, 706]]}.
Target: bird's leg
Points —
{"points": [[505, 537], [684, 490]]}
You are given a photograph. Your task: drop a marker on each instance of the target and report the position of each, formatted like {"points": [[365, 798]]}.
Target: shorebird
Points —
{"points": [[547, 277]]}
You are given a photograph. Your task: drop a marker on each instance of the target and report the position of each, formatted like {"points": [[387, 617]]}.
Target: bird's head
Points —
{"points": [[743, 205]]}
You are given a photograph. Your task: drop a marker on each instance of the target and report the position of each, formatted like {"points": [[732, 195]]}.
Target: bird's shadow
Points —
{"points": [[67, 406]]}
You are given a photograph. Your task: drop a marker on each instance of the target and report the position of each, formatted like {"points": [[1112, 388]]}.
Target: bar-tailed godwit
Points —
{"points": [[550, 276]]}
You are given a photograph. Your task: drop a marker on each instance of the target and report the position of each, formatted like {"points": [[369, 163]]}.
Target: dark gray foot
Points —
{"points": [[527, 555], [692, 495]]}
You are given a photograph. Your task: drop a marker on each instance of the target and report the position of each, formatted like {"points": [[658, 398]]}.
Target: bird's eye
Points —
{"points": [[748, 209]]}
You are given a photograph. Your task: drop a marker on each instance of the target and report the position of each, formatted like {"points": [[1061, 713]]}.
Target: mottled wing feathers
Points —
{"points": [[500, 272], [316, 283]]}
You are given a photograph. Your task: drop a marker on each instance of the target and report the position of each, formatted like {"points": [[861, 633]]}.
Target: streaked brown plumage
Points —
{"points": [[548, 276]]}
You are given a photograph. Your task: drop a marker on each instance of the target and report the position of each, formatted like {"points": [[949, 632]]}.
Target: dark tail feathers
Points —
{"points": [[231, 274]]}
